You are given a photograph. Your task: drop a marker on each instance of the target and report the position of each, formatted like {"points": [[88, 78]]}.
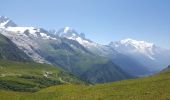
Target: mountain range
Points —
{"points": [[73, 52]]}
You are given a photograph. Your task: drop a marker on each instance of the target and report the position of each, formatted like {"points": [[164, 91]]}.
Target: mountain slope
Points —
{"points": [[25, 38], [135, 57], [70, 33], [63, 52], [155, 87], [68, 54], [127, 63], [130, 65], [75, 58], [8, 50], [107, 72], [30, 77]]}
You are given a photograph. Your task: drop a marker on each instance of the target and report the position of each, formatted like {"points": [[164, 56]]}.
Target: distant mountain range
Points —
{"points": [[152, 56], [89, 60]]}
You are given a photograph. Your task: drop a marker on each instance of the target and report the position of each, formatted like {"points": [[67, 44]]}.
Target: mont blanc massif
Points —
{"points": [[34, 58]]}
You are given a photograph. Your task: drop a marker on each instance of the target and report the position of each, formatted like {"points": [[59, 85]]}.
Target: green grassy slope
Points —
{"points": [[30, 77], [149, 88]]}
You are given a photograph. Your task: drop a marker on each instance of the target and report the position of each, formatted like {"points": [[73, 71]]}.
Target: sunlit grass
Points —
{"points": [[149, 88]]}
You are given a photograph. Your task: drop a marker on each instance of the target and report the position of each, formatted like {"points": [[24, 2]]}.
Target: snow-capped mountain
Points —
{"points": [[25, 43], [147, 53], [129, 54], [62, 50], [70, 33], [105, 51], [26, 39], [6, 22], [94, 47], [74, 52], [134, 46]]}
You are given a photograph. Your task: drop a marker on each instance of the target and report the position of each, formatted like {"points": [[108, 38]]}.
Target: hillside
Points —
{"points": [[31, 77], [149, 88], [8, 50], [43, 47]]}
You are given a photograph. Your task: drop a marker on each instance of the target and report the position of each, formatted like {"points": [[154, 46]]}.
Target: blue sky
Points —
{"points": [[101, 20]]}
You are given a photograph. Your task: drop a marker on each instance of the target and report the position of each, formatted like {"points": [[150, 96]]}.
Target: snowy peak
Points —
{"points": [[68, 29], [133, 43], [70, 33], [6, 22], [133, 46], [67, 32], [136, 43]]}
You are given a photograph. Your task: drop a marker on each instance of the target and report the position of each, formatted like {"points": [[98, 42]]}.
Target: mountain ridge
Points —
{"points": [[74, 52], [6, 22], [44, 47], [148, 52]]}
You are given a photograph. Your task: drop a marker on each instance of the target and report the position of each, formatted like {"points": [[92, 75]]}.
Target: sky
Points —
{"points": [[101, 20]]}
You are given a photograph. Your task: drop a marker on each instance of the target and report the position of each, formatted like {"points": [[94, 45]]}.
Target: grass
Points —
{"points": [[154, 87], [31, 77]]}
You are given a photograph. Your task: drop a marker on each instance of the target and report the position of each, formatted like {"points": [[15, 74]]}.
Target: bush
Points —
{"points": [[16, 86]]}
